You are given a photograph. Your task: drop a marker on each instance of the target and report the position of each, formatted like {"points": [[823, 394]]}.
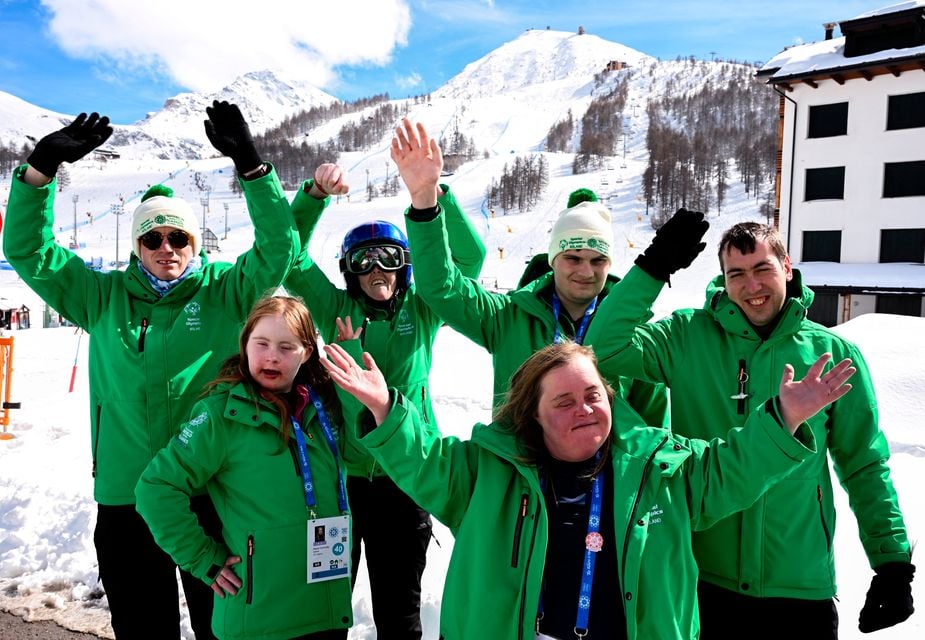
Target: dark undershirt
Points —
{"points": [[567, 493]]}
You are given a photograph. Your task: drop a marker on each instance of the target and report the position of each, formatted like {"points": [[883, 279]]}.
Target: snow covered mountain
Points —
{"points": [[553, 71]]}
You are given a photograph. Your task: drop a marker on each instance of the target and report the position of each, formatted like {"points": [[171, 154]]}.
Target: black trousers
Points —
{"points": [[729, 614], [140, 580], [395, 533]]}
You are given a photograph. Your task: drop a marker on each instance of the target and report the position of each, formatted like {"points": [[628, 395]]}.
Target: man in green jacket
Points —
{"points": [[770, 569], [159, 331], [557, 305], [399, 329]]}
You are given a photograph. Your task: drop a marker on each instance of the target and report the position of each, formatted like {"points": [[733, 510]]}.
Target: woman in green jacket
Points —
{"points": [[559, 515], [399, 329], [264, 444]]}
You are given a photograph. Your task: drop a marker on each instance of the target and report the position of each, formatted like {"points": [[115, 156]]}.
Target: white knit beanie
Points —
{"points": [[585, 226], [159, 208]]}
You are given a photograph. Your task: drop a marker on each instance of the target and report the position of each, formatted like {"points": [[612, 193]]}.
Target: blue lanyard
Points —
{"points": [[593, 543], [308, 485], [585, 319]]}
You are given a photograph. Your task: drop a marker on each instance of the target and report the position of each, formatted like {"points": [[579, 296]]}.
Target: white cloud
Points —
{"points": [[409, 81], [205, 44]]}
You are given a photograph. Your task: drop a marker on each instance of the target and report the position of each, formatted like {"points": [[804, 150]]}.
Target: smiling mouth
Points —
{"points": [[757, 302]]}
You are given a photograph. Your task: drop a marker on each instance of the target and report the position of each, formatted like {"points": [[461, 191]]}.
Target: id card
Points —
{"points": [[328, 549]]}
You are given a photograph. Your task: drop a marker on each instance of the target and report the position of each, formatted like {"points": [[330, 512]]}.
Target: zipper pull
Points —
{"points": [[141, 336], [741, 396]]}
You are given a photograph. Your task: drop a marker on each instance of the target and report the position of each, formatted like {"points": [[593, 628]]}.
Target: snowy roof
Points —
{"points": [[828, 55], [893, 8], [892, 276]]}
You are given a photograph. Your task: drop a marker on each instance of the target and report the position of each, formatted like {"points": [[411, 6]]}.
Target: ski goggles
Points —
{"points": [[388, 257], [154, 239]]}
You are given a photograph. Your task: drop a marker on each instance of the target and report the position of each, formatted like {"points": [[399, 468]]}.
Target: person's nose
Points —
{"points": [[583, 409], [753, 284]]}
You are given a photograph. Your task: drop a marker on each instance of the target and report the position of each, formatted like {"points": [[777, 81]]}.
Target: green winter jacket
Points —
{"points": [[232, 447], [149, 355], [401, 341], [511, 326], [782, 545], [492, 502]]}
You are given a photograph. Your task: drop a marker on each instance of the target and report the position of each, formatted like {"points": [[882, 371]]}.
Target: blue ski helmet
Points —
{"points": [[372, 233]]}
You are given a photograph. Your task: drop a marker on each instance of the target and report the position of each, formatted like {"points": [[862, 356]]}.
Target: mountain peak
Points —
{"points": [[539, 56]]}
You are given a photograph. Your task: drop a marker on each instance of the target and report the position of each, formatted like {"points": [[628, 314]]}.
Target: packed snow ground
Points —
{"points": [[46, 508]]}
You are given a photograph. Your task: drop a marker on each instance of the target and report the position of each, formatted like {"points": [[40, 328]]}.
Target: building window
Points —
{"points": [[825, 183], [903, 179], [899, 305], [906, 111], [902, 245], [824, 309], [821, 246], [827, 120]]}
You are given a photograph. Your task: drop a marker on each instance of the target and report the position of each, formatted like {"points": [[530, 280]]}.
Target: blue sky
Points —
{"points": [[126, 57]]}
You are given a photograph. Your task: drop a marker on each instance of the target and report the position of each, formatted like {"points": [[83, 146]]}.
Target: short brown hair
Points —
{"points": [[745, 235], [523, 397]]}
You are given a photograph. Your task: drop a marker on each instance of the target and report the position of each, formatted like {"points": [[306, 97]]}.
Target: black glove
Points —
{"points": [[228, 132], [889, 599], [69, 144], [675, 245]]}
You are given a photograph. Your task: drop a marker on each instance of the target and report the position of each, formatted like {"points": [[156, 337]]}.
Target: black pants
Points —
{"points": [[395, 533], [729, 614], [140, 580]]}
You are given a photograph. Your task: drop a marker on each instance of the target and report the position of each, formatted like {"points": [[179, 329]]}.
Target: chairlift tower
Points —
{"points": [[74, 198], [117, 209]]}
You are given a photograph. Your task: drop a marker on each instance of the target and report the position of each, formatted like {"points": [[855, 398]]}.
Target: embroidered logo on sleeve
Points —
{"points": [[189, 428]]}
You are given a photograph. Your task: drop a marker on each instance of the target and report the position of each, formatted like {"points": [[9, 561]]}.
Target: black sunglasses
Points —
{"points": [[154, 239]]}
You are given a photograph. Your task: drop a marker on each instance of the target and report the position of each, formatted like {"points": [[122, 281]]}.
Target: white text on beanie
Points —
{"points": [[587, 225]]}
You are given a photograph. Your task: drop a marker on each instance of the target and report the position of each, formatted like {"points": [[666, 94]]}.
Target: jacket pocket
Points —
{"points": [[518, 529], [249, 571]]}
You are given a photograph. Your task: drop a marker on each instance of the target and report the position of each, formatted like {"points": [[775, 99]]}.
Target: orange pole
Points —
{"points": [[6, 378]]}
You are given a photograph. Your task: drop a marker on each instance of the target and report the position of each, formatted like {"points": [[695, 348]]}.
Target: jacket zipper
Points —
{"points": [[518, 529], [250, 569], [523, 586], [632, 519], [743, 378], [825, 527], [141, 336], [96, 440], [424, 404]]}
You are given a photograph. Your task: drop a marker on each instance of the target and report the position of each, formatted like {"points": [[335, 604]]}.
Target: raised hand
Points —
{"points": [[228, 132], [69, 144], [419, 163], [366, 385], [329, 180], [345, 330], [675, 245], [801, 400]]}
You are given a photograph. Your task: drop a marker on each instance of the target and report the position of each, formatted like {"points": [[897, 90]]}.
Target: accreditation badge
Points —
{"points": [[328, 542]]}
